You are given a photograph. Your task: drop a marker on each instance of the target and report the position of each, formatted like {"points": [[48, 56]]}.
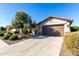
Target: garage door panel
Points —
{"points": [[53, 30]]}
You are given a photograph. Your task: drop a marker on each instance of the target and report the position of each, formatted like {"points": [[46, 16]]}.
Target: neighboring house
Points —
{"points": [[10, 29], [53, 26]]}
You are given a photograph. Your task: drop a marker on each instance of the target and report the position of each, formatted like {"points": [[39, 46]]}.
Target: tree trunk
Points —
{"points": [[21, 31], [33, 32]]}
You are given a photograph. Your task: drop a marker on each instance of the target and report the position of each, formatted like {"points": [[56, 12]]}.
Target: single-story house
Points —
{"points": [[53, 26]]}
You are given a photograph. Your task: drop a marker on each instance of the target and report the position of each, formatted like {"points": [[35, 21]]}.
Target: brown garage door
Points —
{"points": [[53, 30]]}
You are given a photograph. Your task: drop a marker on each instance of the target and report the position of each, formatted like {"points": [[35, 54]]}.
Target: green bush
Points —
{"points": [[2, 28], [7, 35], [74, 28], [2, 34], [16, 32], [1, 31], [25, 32], [13, 37]]}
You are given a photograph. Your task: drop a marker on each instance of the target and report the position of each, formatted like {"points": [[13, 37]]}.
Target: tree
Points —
{"points": [[21, 18], [33, 28], [26, 29]]}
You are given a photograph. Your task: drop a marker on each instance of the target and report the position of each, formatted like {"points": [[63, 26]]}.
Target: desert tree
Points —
{"points": [[21, 18]]}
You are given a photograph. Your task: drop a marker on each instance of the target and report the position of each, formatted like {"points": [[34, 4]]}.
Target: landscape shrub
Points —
{"points": [[1, 31], [7, 35], [2, 28], [13, 37], [16, 32], [1, 34], [74, 28], [25, 32]]}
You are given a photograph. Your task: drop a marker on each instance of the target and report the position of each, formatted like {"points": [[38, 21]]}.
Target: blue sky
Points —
{"points": [[39, 12]]}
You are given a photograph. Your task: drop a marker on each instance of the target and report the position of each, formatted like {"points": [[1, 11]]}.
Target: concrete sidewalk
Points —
{"points": [[49, 46]]}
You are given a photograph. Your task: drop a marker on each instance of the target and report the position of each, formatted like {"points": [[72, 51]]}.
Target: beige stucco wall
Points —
{"points": [[66, 27], [54, 22]]}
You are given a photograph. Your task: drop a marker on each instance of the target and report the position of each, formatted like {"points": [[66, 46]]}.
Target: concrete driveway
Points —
{"points": [[39, 46]]}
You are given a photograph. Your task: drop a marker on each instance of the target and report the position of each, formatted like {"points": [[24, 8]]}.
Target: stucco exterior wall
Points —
{"points": [[54, 22], [66, 27]]}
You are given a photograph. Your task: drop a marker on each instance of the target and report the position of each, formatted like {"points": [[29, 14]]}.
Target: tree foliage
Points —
{"points": [[21, 18], [23, 22]]}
